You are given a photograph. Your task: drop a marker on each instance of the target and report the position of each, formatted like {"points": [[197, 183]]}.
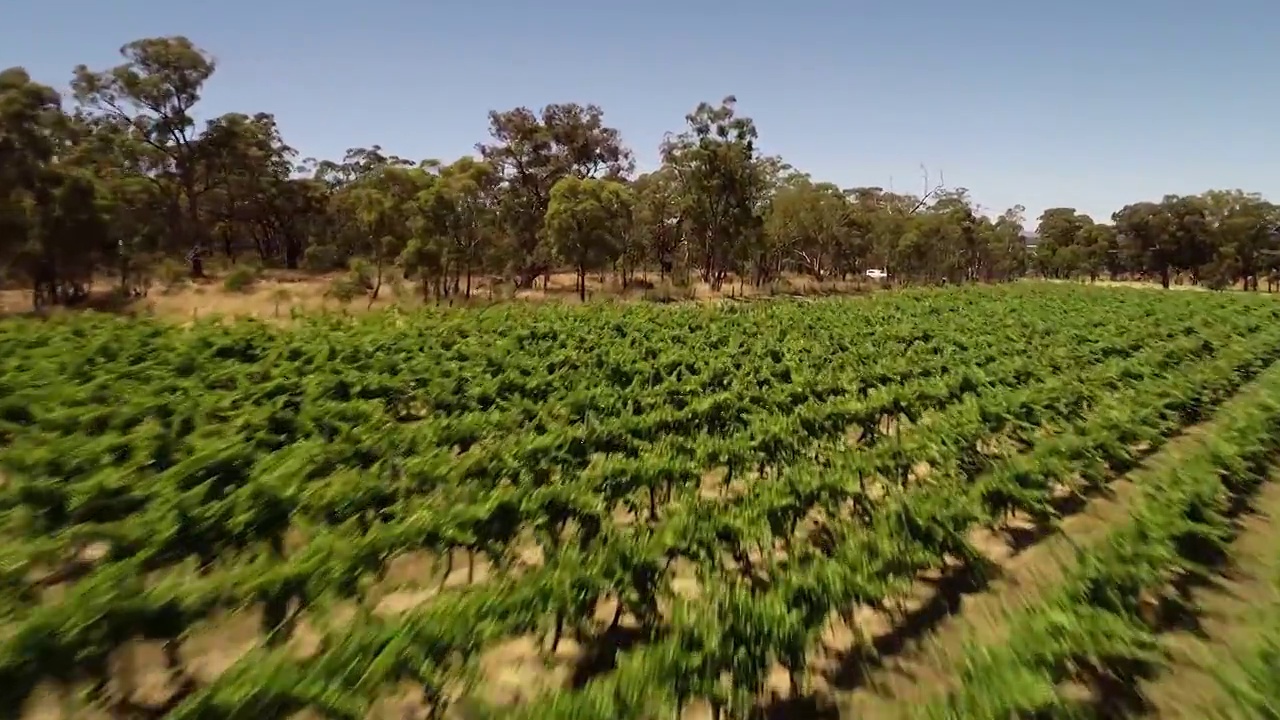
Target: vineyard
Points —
{"points": [[768, 509]]}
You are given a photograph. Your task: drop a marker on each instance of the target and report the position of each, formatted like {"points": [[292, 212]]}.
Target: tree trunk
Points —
{"points": [[292, 252], [377, 283], [193, 220]]}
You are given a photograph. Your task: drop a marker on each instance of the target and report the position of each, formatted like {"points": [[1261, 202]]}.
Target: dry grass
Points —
{"points": [[1133, 284], [278, 295], [1177, 284]]}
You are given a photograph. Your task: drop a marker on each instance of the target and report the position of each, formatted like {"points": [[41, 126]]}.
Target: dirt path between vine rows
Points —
{"points": [[1187, 688], [907, 672]]}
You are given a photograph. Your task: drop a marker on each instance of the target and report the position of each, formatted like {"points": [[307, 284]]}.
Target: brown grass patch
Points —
{"points": [[277, 294]]}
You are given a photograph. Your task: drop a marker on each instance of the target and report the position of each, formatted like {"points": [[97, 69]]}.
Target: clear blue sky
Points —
{"points": [[1088, 104]]}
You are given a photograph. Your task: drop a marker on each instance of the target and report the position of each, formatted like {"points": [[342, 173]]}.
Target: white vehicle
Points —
{"points": [[877, 274]]}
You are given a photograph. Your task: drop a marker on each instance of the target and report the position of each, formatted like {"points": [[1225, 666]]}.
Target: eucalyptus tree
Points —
{"points": [[585, 222], [723, 183]]}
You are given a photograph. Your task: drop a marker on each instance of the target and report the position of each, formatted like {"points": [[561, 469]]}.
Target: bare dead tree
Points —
{"points": [[930, 192]]}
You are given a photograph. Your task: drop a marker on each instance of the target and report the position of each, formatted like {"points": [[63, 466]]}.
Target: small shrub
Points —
{"points": [[501, 289], [362, 273], [782, 286], [400, 289], [173, 275], [322, 258], [667, 292], [240, 279], [344, 289], [280, 296]]}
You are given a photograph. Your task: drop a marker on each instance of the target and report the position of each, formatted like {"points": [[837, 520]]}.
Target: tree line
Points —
{"points": [[123, 179]]}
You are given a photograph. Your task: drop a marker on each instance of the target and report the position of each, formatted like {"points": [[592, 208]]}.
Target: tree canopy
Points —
{"points": [[122, 177]]}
